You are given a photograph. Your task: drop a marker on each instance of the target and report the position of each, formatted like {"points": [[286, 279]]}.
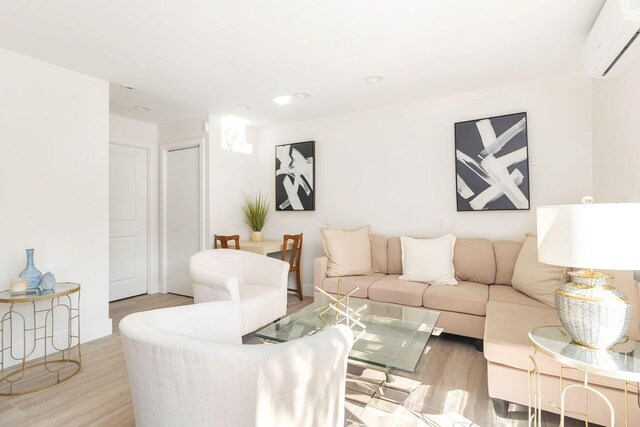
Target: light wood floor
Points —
{"points": [[453, 390]]}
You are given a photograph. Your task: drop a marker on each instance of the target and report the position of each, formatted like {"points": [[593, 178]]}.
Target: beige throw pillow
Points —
{"points": [[348, 251], [428, 260], [531, 277]]}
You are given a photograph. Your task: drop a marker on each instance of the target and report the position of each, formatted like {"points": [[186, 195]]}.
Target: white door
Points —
{"points": [[183, 216], [127, 221]]}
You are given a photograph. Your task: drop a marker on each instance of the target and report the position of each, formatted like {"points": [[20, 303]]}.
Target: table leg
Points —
{"points": [[585, 385]]}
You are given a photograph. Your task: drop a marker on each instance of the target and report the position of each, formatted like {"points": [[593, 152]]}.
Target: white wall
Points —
{"points": [[616, 137], [136, 133], [182, 130], [393, 167], [232, 175], [54, 195], [132, 130]]}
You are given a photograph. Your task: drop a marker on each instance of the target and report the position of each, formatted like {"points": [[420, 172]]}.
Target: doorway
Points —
{"points": [[183, 213], [128, 243]]}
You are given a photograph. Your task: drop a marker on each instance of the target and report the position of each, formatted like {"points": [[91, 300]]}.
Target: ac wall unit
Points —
{"points": [[613, 43]]}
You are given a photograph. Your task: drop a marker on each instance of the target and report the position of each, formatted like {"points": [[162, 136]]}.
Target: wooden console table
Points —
{"points": [[263, 248]]}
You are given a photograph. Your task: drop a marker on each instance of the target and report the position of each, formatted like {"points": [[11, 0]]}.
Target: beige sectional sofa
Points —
{"points": [[486, 307]]}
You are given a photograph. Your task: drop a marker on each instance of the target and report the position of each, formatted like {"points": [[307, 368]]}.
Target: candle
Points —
{"points": [[18, 285]]}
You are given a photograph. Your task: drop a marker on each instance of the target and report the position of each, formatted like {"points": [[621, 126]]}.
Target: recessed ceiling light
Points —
{"points": [[243, 107], [282, 100], [143, 109], [302, 95], [131, 88], [374, 79]]}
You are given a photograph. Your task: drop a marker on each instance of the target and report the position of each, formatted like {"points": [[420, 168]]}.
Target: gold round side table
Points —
{"points": [[621, 363], [46, 324]]}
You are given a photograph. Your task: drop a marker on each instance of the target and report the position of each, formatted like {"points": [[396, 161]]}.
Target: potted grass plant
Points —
{"points": [[256, 211]]}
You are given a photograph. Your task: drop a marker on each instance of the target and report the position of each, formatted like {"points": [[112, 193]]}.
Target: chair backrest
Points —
{"points": [[224, 241], [296, 249], [172, 353]]}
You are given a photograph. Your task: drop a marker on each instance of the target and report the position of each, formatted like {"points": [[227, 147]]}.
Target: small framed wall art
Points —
{"points": [[492, 164], [295, 176]]}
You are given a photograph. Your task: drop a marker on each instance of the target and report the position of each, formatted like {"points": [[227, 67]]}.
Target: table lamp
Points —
{"points": [[590, 236]]}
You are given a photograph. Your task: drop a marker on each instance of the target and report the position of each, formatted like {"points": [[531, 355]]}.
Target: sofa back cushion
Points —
{"points": [[474, 260], [506, 252], [379, 253], [531, 277], [394, 255]]}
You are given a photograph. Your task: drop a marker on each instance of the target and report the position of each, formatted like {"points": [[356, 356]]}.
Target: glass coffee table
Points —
{"points": [[387, 336]]}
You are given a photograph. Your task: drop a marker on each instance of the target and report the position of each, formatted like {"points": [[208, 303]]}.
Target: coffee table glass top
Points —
{"points": [[394, 337]]}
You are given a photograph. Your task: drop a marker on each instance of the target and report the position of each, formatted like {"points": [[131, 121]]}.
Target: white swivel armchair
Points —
{"points": [[187, 366], [257, 283]]}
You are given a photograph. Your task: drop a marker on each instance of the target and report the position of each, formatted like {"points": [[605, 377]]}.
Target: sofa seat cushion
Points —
{"points": [[506, 339], [504, 293], [506, 331], [392, 289], [467, 297], [506, 334], [330, 284]]}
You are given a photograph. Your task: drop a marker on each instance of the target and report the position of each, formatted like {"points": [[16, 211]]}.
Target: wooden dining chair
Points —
{"points": [[294, 258], [224, 241]]}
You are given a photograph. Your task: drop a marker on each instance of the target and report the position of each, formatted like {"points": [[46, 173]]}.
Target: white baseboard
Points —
{"points": [[95, 330]]}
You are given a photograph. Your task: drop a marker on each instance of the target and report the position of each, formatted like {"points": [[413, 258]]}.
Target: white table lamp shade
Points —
{"points": [[598, 236]]}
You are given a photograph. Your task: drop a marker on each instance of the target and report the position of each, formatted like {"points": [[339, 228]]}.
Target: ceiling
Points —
{"points": [[192, 57]]}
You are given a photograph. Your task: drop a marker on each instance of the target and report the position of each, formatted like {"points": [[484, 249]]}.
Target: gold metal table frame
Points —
{"points": [[567, 363], [31, 326]]}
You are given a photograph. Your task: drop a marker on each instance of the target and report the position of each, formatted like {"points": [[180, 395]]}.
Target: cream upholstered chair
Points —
{"points": [[187, 366], [255, 282]]}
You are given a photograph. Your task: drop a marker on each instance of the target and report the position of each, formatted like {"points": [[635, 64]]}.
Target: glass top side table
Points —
{"points": [[622, 362], [46, 323]]}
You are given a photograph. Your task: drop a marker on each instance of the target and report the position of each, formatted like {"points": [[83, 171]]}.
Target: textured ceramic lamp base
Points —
{"points": [[594, 313]]}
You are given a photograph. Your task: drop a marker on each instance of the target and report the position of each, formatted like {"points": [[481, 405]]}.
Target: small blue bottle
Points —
{"points": [[31, 273]]}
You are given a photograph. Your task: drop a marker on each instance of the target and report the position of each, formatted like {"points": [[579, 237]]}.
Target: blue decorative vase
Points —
{"points": [[31, 273]]}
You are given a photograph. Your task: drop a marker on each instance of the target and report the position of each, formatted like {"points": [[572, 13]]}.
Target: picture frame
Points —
{"points": [[492, 164], [295, 169]]}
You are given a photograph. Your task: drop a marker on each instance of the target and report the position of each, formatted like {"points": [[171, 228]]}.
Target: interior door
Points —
{"points": [[183, 216], [127, 222]]}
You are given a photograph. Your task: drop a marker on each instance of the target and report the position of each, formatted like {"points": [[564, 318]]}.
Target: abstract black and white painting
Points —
{"points": [[295, 176], [492, 166]]}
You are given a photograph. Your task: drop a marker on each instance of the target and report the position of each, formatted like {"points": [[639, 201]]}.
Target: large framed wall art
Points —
{"points": [[295, 176], [492, 164]]}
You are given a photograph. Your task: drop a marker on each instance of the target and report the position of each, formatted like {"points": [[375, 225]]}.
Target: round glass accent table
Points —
{"points": [[47, 324], [622, 363]]}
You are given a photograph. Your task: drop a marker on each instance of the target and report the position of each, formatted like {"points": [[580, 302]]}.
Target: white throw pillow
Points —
{"points": [[428, 260], [348, 251]]}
